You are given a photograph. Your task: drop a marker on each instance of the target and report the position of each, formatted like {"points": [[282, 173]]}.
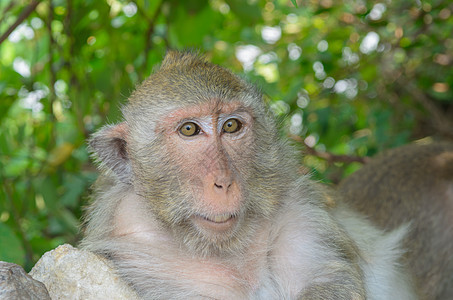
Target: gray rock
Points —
{"points": [[70, 273], [15, 283]]}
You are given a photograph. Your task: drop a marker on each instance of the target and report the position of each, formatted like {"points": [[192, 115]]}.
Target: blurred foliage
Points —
{"points": [[348, 79]]}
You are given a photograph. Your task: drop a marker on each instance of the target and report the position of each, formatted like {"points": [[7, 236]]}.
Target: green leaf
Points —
{"points": [[16, 166], [74, 187], [11, 249]]}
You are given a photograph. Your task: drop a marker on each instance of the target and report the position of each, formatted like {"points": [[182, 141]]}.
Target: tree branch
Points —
{"points": [[24, 14], [149, 32], [74, 81], [52, 72], [330, 157]]}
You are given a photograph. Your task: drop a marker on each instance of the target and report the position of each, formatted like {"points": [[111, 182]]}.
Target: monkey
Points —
{"points": [[413, 184], [200, 197]]}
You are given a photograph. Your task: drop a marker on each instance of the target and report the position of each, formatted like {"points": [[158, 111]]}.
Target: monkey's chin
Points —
{"points": [[215, 224]]}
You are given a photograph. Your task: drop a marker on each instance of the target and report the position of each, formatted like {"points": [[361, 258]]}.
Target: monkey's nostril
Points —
{"points": [[218, 185]]}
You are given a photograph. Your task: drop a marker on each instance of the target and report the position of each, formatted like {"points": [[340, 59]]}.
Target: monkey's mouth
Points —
{"points": [[218, 222], [218, 218]]}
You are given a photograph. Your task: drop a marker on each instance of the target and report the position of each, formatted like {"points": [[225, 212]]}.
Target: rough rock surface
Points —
{"points": [[15, 283], [70, 273]]}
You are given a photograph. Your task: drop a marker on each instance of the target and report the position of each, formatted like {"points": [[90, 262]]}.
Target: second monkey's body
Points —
{"points": [[200, 198]]}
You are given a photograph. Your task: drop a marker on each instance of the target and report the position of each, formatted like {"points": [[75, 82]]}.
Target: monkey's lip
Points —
{"points": [[218, 218], [216, 222]]}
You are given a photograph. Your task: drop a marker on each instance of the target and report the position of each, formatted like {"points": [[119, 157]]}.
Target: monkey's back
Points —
{"points": [[413, 184]]}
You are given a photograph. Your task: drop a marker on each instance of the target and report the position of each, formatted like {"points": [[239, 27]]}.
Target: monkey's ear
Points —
{"points": [[109, 146]]}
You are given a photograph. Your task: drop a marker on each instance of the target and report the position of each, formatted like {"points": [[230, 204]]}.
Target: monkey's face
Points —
{"points": [[210, 146], [201, 171]]}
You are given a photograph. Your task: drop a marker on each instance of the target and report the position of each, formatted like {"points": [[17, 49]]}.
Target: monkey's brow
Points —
{"points": [[238, 110], [241, 109]]}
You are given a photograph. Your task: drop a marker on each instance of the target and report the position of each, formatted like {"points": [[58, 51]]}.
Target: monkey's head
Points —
{"points": [[198, 144]]}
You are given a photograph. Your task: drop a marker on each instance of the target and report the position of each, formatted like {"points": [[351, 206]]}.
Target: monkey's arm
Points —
{"points": [[313, 257], [339, 279]]}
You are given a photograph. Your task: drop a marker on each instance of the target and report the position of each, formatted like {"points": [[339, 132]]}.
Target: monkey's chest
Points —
{"points": [[223, 279]]}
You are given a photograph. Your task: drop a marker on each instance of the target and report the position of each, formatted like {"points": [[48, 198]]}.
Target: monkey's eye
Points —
{"points": [[189, 129], [232, 125]]}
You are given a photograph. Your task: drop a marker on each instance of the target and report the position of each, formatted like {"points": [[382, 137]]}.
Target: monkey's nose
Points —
{"points": [[222, 185]]}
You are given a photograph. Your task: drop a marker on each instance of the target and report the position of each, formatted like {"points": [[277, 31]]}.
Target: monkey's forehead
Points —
{"points": [[211, 109], [193, 88]]}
